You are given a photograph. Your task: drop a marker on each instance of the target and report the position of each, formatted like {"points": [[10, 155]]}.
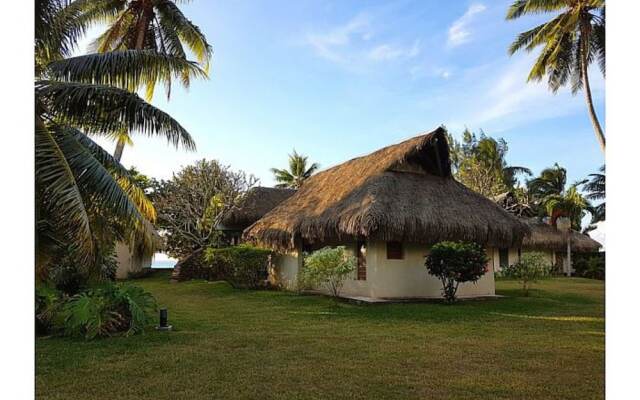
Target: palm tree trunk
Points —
{"points": [[587, 95], [117, 154], [142, 30]]}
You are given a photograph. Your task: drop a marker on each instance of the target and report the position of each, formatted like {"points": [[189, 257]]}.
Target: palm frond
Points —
{"points": [[55, 177], [102, 109], [189, 33], [128, 69], [528, 7]]}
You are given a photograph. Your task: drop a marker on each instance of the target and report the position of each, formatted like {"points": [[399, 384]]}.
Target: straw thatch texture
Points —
{"points": [[403, 192], [257, 202], [547, 237]]}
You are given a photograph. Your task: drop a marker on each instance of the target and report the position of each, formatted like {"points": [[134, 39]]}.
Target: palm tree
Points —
{"points": [[550, 182], [80, 188], [297, 173], [569, 204], [596, 191], [154, 25], [571, 40]]}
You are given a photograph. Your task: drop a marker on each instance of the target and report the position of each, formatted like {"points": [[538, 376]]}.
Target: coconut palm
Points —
{"points": [[154, 25], [78, 184], [570, 204], [571, 41], [551, 181], [596, 191], [297, 172]]}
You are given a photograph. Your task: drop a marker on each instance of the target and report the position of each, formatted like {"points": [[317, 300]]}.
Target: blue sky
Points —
{"points": [[339, 79]]}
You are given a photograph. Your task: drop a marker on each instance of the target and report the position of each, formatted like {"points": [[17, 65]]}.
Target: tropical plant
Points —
{"points": [[570, 204], [243, 266], [158, 26], [595, 187], [328, 267], [107, 310], [571, 41], [297, 173], [551, 181], [454, 263], [83, 193], [192, 203], [480, 164], [531, 268]]}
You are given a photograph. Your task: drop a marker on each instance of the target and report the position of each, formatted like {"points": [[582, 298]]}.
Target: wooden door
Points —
{"points": [[361, 255]]}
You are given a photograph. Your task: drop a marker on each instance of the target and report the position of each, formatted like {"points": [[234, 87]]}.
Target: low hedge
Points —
{"points": [[243, 266], [589, 265]]}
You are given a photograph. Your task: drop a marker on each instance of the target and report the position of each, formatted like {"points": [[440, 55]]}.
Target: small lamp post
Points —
{"points": [[564, 225], [164, 321]]}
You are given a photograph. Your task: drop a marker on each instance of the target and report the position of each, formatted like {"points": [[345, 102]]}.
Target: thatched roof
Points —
{"points": [[547, 237], [402, 192], [256, 202]]}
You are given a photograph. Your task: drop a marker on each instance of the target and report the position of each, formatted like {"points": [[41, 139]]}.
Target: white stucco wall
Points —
{"points": [[406, 278], [127, 263]]}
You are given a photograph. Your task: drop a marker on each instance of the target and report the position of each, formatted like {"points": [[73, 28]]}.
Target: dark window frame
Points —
{"points": [[395, 250]]}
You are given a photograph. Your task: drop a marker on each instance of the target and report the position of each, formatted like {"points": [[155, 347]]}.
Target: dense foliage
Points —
{"points": [[480, 164], [531, 268], [100, 311], [243, 266], [328, 267], [589, 265], [454, 263], [83, 194], [297, 172], [192, 203]]}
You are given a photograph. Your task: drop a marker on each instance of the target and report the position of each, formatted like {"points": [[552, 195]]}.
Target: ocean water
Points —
{"points": [[162, 261]]}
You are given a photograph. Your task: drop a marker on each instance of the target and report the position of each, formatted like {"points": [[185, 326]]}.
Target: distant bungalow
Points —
{"points": [[387, 208], [544, 238]]}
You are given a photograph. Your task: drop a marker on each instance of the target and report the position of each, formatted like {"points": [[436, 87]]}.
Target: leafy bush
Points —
{"points": [[96, 312], [454, 263], [67, 275], [328, 267], [590, 265], [243, 266], [532, 267], [48, 304]]}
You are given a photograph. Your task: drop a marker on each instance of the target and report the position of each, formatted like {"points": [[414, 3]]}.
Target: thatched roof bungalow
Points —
{"points": [[544, 238], [254, 205], [387, 207]]}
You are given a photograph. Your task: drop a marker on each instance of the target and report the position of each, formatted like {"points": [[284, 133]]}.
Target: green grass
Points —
{"points": [[233, 344]]}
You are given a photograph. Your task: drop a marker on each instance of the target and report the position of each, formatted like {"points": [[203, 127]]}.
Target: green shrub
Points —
{"points": [[96, 312], [454, 263], [243, 266], [590, 265], [67, 275], [327, 267], [48, 305], [532, 267]]}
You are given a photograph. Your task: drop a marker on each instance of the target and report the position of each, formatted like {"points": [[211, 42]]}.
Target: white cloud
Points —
{"points": [[328, 45], [352, 44], [385, 52], [459, 31], [497, 96]]}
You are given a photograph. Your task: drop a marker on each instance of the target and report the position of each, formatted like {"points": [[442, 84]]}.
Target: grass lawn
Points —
{"points": [[234, 344]]}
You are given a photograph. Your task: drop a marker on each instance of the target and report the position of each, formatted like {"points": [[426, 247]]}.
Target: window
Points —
{"points": [[361, 256], [504, 258], [394, 251]]}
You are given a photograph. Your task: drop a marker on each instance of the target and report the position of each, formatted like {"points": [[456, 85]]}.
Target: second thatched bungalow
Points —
{"points": [[544, 238], [387, 208]]}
